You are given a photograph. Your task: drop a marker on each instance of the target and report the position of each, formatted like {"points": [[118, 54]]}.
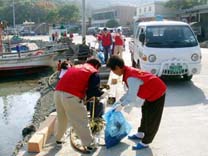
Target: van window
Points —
{"points": [[139, 31], [170, 37]]}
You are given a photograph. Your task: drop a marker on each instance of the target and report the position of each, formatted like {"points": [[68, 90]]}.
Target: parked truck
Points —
{"points": [[166, 48]]}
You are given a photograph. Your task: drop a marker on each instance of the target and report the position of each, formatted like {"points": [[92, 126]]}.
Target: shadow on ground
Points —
{"points": [[180, 93]]}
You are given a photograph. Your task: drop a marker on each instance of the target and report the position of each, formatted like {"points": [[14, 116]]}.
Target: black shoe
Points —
{"points": [[59, 143], [90, 149]]}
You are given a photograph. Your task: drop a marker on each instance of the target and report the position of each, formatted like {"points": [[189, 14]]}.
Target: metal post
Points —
{"points": [[1, 44], [83, 23], [13, 10]]}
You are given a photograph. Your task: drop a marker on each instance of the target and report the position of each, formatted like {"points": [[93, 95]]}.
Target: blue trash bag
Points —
{"points": [[116, 128], [100, 47], [101, 57]]}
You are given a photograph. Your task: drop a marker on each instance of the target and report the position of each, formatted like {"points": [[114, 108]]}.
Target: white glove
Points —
{"points": [[105, 94], [118, 108]]}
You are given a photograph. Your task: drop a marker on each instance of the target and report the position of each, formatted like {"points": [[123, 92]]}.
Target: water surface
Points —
{"points": [[17, 102]]}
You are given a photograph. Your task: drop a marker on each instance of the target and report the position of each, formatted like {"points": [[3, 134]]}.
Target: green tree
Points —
{"points": [[39, 11], [52, 16], [68, 13], [112, 23], [184, 4]]}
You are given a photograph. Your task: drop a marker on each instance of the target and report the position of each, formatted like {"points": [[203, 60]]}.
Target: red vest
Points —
{"points": [[106, 39], [99, 37], [152, 87], [59, 66], [75, 80], [118, 40]]}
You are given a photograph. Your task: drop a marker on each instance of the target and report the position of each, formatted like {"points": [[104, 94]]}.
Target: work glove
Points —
{"points": [[117, 106], [105, 94]]}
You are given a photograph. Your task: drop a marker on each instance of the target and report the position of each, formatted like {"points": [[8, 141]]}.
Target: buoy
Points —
{"points": [[39, 52]]}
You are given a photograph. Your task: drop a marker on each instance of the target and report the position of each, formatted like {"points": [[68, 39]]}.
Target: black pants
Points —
{"points": [[151, 117], [98, 110]]}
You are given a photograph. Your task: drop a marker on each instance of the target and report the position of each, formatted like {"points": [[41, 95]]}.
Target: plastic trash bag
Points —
{"points": [[100, 47], [116, 128], [101, 57]]}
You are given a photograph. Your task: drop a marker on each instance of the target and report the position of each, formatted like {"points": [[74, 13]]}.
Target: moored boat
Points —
{"points": [[27, 63]]}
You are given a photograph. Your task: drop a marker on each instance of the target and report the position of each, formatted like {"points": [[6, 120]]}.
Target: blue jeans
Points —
{"points": [[107, 51]]}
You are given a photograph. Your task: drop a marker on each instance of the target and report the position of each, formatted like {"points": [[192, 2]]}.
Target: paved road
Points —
{"points": [[184, 126]]}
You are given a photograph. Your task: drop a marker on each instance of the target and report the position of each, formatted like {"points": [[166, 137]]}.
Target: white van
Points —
{"points": [[166, 48]]}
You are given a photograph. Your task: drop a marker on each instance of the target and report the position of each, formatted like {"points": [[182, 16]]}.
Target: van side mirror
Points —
{"points": [[142, 38]]}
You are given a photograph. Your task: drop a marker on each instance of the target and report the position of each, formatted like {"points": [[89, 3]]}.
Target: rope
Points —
{"points": [[50, 79], [93, 109]]}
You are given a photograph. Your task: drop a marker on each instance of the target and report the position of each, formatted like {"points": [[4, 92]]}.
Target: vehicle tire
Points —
{"points": [[133, 64], [187, 77], [138, 64], [132, 60]]}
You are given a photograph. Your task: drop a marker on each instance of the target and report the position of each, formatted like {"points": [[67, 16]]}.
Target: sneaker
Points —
{"points": [[139, 146], [134, 137]]}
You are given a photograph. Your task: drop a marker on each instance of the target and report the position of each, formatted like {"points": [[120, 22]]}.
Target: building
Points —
{"points": [[198, 19], [148, 11], [122, 14]]}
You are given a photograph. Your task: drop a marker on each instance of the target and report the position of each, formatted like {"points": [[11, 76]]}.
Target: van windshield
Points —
{"points": [[170, 37]]}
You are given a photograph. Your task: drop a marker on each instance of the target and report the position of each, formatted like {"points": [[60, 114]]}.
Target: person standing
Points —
{"points": [[64, 68], [119, 43], [59, 66], [93, 94], [106, 43], [145, 86], [99, 40], [53, 37], [71, 36], [68, 96], [18, 50]]}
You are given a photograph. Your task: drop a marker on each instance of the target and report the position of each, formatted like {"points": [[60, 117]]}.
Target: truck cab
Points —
{"points": [[166, 48]]}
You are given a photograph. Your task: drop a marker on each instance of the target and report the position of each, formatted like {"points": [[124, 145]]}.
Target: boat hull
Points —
{"points": [[25, 64]]}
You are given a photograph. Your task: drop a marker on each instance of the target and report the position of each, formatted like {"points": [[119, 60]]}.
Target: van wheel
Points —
{"points": [[138, 64], [187, 77], [133, 64]]}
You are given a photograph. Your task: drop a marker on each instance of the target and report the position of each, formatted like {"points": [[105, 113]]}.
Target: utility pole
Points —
{"points": [[1, 44], [13, 10], [83, 23]]}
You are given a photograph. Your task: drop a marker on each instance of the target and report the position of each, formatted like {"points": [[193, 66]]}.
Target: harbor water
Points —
{"points": [[17, 101]]}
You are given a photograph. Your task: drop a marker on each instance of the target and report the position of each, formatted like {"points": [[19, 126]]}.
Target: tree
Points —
{"points": [[39, 11], [184, 4], [112, 23], [69, 13]]}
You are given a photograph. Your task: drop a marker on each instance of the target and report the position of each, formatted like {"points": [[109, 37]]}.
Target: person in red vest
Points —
{"points": [[99, 40], [145, 86], [69, 94], [71, 36], [59, 65], [106, 43], [119, 43]]}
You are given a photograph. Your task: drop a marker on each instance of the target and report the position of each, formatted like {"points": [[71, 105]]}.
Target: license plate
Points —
{"points": [[175, 69]]}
